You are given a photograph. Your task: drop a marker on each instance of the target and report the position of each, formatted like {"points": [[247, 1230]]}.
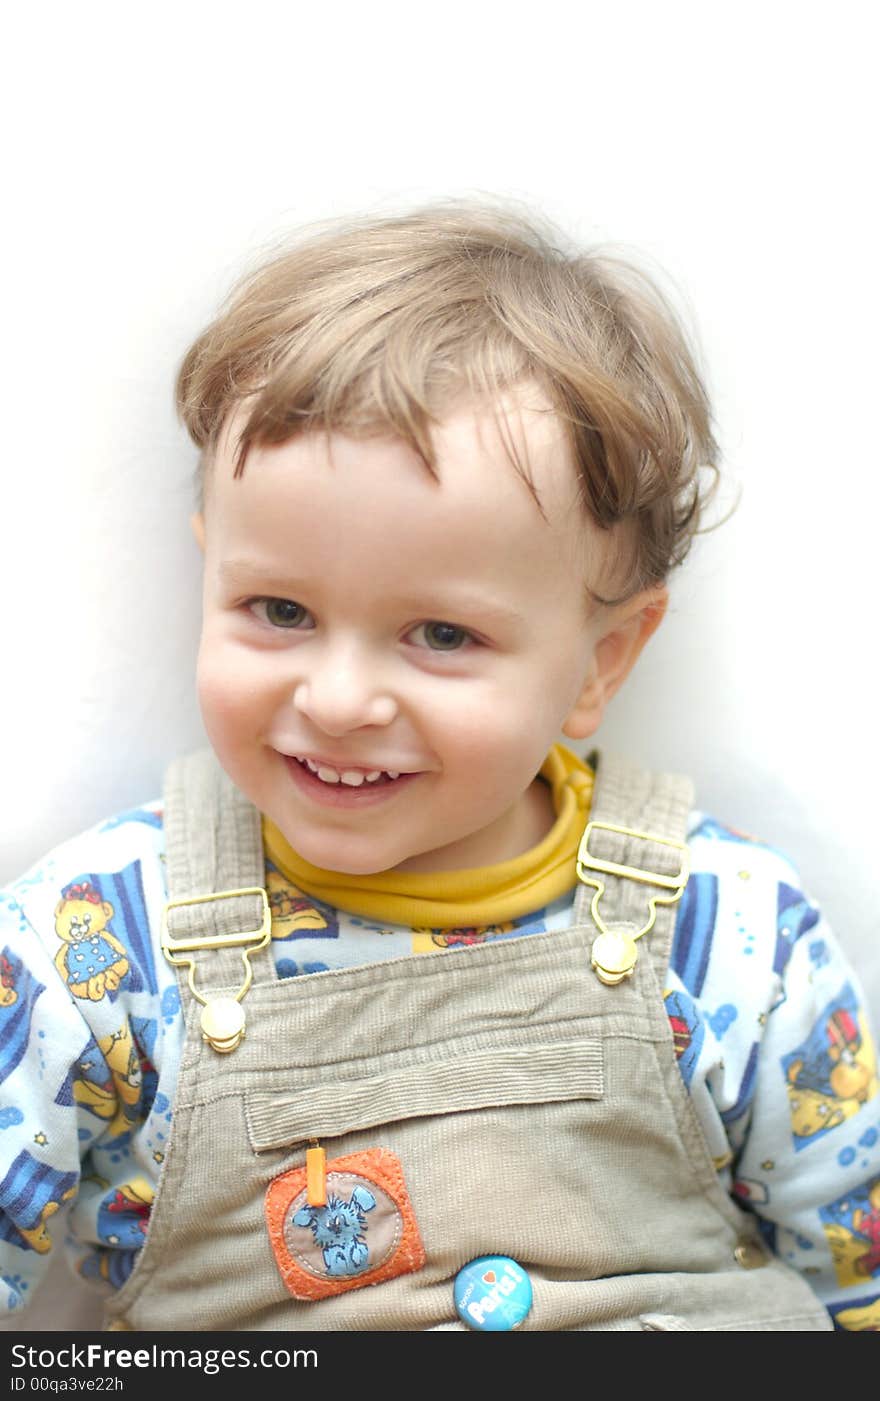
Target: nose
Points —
{"points": [[342, 691]]}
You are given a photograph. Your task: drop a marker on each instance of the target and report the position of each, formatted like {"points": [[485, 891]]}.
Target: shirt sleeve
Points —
{"points": [[83, 1023], [42, 1033], [808, 1144]]}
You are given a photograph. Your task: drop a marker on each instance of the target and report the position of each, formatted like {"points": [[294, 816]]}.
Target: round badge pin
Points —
{"points": [[493, 1294]]}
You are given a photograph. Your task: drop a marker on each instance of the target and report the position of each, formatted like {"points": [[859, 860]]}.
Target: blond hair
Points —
{"points": [[378, 326]]}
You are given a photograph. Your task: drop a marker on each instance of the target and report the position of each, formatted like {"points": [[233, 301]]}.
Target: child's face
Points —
{"points": [[362, 617]]}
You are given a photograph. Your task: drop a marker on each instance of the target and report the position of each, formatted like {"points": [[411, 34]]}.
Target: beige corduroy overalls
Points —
{"points": [[499, 1099]]}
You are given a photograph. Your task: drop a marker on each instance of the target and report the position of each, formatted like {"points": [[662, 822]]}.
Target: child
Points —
{"points": [[447, 470]]}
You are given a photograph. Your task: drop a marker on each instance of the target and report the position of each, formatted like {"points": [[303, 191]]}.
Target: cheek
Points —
{"points": [[227, 687], [529, 718], [211, 681], [502, 731]]}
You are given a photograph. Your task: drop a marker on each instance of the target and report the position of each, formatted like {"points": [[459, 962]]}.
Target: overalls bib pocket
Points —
{"points": [[418, 1157]]}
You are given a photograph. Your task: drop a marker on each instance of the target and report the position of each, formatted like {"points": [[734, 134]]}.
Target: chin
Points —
{"points": [[353, 867], [344, 862]]}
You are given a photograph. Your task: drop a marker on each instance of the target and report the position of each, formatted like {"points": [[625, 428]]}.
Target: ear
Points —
{"points": [[626, 630], [197, 525]]}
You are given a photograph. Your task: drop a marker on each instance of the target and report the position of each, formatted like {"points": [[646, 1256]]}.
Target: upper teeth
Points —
{"points": [[353, 777]]}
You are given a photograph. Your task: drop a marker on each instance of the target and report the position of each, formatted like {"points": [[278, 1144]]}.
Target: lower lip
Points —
{"points": [[344, 795]]}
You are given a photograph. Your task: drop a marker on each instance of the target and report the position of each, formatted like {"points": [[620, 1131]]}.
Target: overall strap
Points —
{"points": [[632, 863], [217, 923]]}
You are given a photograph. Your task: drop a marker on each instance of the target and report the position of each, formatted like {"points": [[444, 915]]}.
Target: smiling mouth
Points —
{"points": [[352, 778], [345, 787]]}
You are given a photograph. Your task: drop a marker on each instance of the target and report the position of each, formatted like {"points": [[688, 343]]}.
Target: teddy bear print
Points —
{"points": [[91, 959]]}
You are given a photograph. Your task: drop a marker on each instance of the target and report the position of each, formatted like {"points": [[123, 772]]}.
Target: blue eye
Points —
{"points": [[281, 612], [444, 637]]}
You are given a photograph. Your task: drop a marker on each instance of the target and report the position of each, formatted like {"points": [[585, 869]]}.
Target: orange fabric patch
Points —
{"points": [[366, 1232]]}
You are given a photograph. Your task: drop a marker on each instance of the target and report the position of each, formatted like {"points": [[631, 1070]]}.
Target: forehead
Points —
{"points": [[369, 509], [516, 433]]}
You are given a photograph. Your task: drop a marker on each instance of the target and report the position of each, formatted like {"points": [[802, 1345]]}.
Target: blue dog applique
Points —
{"points": [[339, 1228]]}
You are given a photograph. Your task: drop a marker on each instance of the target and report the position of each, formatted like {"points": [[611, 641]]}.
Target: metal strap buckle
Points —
{"points": [[222, 1020], [586, 861]]}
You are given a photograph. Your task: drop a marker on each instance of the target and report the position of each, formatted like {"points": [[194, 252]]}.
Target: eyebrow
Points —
{"points": [[256, 577], [244, 571]]}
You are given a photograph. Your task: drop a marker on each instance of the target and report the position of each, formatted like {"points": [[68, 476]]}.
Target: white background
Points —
{"points": [[153, 151]]}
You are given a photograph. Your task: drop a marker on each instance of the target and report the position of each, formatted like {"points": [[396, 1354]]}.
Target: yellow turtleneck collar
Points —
{"points": [[460, 899]]}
